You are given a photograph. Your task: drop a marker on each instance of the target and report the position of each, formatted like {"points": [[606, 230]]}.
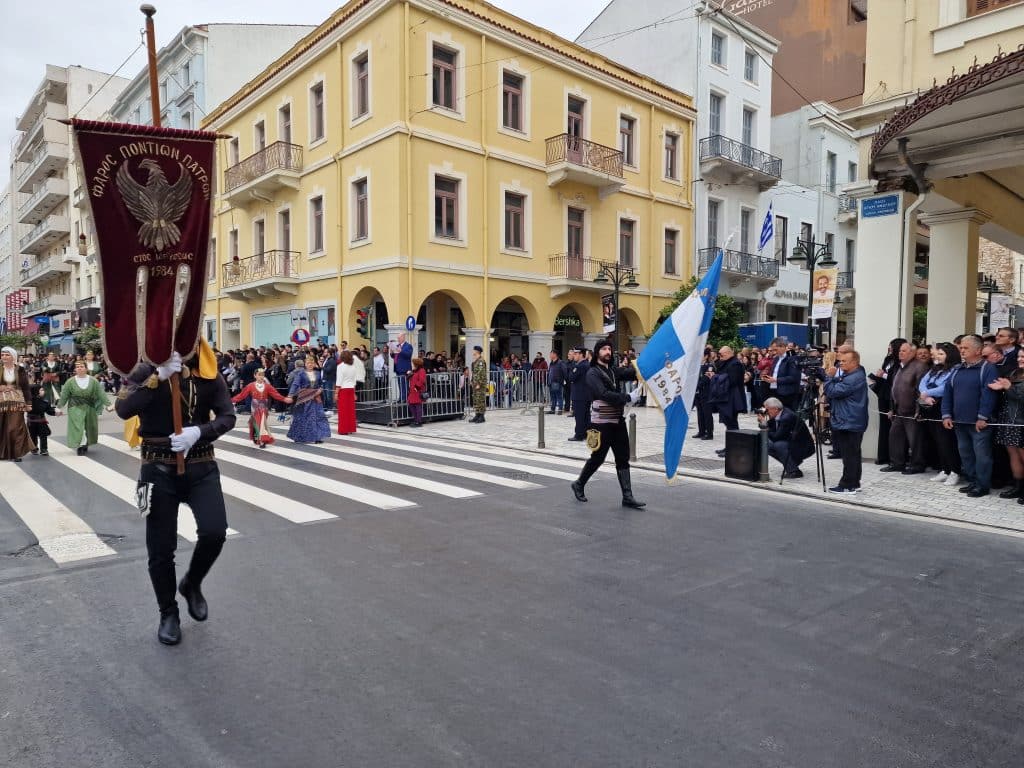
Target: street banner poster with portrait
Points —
{"points": [[149, 191], [999, 314], [824, 293], [609, 313]]}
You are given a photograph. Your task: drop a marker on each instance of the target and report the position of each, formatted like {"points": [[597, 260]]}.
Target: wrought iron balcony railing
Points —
{"points": [[278, 156], [571, 267], [844, 282], [847, 204], [739, 263], [262, 266], [565, 148], [742, 154]]}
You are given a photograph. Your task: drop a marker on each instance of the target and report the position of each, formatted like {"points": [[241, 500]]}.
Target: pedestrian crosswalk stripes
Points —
{"points": [[419, 483], [430, 466], [61, 534], [289, 509], [463, 455]]}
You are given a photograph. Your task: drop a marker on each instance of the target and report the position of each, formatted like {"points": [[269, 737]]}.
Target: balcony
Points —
{"points": [[50, 194], [52, 89], [79, 198], [572, 159], [276, 166], [270, 273], [732, 162], [739, 266], [49, 305], [847, 209], [50, 230], [49, 159], [46, 128], [566, 271], [44, 270], [844, 282]]}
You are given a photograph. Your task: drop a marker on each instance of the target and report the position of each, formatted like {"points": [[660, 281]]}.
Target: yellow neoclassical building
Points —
{"points": [[453, 163]]}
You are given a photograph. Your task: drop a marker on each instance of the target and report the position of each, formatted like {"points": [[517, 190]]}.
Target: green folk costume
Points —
{"points": [[479, 371], [84, 407]]}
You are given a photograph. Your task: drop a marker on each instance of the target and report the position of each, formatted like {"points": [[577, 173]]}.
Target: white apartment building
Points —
{"points": [[820, 157], [724, 62], [47, 198]]}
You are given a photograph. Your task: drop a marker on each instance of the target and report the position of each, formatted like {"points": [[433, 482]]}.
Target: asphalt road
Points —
{"points": [[719, 627]]}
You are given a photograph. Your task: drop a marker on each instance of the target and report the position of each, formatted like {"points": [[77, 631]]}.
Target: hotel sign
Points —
{"points": [[741, 7]]}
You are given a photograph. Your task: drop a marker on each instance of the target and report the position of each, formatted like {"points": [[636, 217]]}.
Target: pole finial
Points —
{"points": [[147, 9]]}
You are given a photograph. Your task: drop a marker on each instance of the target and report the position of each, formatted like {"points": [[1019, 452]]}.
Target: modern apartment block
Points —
{"points": [[46, 195], [454, 164]]}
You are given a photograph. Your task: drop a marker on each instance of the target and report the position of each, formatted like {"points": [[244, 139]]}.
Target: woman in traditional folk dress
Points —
{"points": [[93, 367], [261, 393], [15, 401], [348, 377], [309, 424], [84, 398], [51, 374]]}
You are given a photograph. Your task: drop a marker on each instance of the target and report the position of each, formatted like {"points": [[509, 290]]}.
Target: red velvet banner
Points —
{"points": [[150, 192]]}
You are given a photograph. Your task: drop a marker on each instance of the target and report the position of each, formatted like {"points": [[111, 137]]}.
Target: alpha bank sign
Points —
{"points": [[740, 7]]}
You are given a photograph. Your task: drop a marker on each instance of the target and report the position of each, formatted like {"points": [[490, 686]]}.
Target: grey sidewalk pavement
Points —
{"points": [[913, 494]]}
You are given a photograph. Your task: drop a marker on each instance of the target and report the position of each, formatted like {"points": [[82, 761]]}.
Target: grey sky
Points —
{"points": [[100, 34]]}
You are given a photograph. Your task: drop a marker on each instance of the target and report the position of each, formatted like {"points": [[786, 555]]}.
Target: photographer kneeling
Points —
{"points": [[789, 441]]}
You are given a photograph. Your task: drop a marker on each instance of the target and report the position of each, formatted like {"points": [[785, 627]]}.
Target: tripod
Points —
{"points": [[812, 410]]}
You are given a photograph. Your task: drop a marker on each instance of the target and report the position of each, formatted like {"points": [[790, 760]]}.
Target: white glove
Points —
{"points": [[635, 395], [168, 369], [189, 436]]}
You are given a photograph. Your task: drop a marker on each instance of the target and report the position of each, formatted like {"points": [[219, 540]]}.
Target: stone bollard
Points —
{"points": [[540, 426]]}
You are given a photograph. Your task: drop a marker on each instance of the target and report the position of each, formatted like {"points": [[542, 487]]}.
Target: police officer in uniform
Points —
{"points": [[580, 394], [607, 408], [147, 395], [478, 370]]}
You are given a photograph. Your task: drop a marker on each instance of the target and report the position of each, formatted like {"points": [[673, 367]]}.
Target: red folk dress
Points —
{"points": [[259, 429]]}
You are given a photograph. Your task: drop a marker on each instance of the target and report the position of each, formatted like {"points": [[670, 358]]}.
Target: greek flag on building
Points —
{"points": [[767, 229], [670, 363]]}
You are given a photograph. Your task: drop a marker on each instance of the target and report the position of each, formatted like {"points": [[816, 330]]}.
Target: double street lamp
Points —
{"points": [[620, 276], [816, 255], [989, 285]]}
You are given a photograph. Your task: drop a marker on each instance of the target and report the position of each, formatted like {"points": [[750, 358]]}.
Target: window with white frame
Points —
{"points": [[361, 84], [284, 229], [186, 120], [284, 123], [851, 171], [186, 74], [749, 118], [851, 255], [627, 139], [211, 260], [672, 156], [444, 69], [671, 248], [830, 243], [781, 238], [259, 237], [714, 208], [830, 172], [715, 114], [750, 66], [233, 244], [746, 222], [515, 221], [446, 207], [360, 209], [316, 112], [259, 136], [316, 224], [718, 49], [233, 152], [627, 242], [512, 100]]}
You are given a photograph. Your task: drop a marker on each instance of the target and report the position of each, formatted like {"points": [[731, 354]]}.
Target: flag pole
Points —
{"points": [[154, 99]]}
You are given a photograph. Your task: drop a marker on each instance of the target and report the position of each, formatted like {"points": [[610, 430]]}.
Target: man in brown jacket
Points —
{"points": [[905, 430]]}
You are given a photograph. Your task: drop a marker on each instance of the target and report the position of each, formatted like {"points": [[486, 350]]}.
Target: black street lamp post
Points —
{"points": [[620, 276], [815, 254], [989, 285]]}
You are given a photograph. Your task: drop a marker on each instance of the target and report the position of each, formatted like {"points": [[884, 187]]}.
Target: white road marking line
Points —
{"points": [[275, 504], [114, 482], [431, 486], [62, 534], [468, 458]]}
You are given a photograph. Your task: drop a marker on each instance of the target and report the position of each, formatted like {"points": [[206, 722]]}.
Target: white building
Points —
{"points": [[201, 67], [6, 241], [819, 156], [724, 62], [46, 194]]}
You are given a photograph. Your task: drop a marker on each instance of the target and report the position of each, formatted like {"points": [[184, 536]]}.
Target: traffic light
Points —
{"points": [[363, 322]]}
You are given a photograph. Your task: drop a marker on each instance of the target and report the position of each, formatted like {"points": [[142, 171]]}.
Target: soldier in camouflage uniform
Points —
{"points": [[479, 373]]}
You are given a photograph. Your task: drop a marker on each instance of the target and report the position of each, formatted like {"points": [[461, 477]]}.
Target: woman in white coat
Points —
{"points": [[348, 377]]}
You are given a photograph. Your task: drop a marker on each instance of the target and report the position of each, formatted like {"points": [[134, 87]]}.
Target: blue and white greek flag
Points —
{"points": [[670, 363], [767, 229]]}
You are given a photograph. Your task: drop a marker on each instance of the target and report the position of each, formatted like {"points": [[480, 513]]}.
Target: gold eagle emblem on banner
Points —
{"points": [[157, 205]]}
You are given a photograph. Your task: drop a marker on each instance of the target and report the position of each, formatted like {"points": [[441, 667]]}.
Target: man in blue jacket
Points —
{"points": [[783, 377], [967, 406], [847, 393], [402, 353]]}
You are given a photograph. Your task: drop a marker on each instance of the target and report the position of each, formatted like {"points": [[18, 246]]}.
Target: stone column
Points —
{"points": [[953, 272], [879, 276], [590, 339], [540, 341], [477, 337], [758, 310], [638, 343]]}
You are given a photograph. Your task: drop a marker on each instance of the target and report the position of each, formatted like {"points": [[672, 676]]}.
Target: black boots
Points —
{"points": [[169, 632], [478, 419], [197, 607], [588, 472], [577, 490], [1014, 491], [627, 490]]}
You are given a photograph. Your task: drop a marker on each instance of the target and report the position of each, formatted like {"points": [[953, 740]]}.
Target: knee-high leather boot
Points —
{"points": [[627, 489], [588, 472], [203, 557]]}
